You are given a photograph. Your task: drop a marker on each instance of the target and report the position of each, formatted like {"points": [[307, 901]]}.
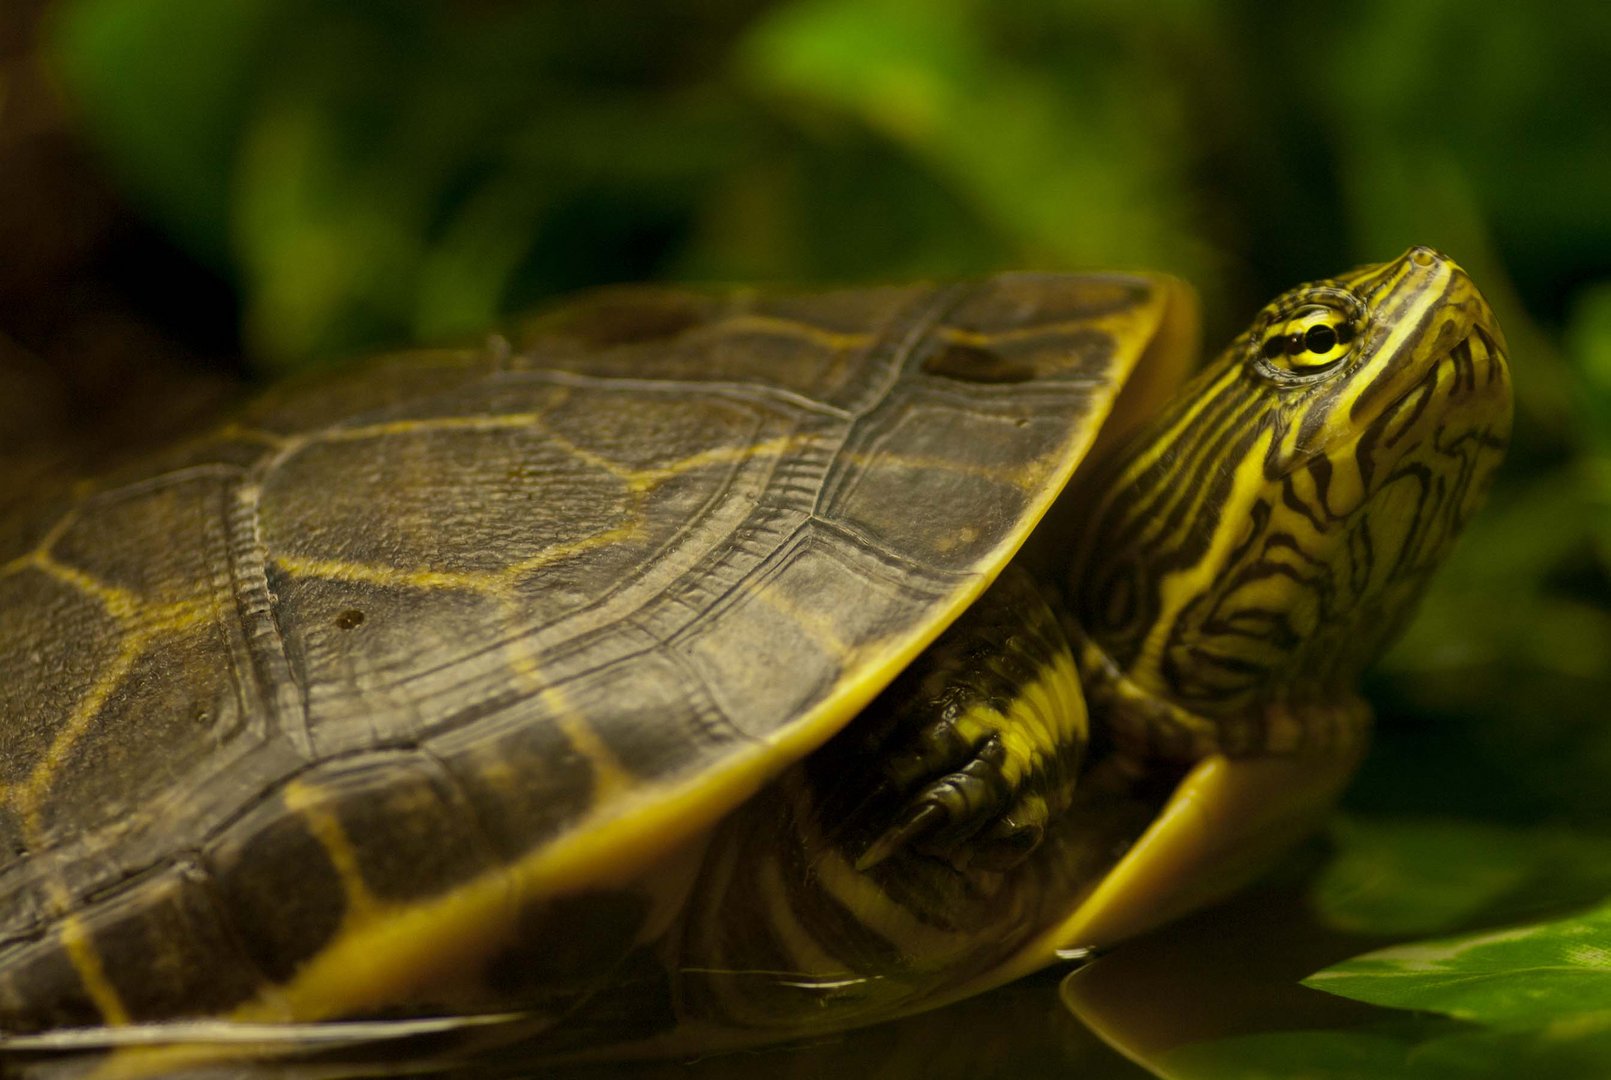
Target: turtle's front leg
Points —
{"points": [[975, 748], [894, 863]]}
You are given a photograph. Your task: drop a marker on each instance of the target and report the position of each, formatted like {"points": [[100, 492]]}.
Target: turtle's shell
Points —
{"points": [[462, 624]]}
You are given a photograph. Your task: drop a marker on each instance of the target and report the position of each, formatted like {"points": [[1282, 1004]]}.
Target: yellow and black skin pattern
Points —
{"points": [[577, 684], [1271, 535]]}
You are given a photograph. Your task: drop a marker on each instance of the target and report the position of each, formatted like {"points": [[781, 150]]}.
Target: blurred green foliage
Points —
{"points": [[367, 173]]}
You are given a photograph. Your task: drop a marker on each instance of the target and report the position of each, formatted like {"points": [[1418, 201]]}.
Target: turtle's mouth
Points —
{"points": [[1478, 359], [1446, 429], [1467, 389], [1452, 403]]}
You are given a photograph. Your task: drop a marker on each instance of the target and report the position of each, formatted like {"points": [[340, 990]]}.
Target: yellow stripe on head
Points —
{"points": [[1261, 542]]}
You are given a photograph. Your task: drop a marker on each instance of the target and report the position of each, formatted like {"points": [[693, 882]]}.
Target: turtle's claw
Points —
{"points": [[970, 816]]}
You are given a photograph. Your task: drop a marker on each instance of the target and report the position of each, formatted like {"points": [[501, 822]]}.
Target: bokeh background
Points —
{"points": [[197, 194]]}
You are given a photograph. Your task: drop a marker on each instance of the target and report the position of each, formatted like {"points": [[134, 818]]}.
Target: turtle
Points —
{"points": [[683, 669]]}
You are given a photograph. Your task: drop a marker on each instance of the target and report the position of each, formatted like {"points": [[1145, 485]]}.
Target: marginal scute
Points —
{"points": [[904, 476], [410, 832], [40, 989], [166, 949], [277, 887], [660, 725], [523, 778], [810, 611]]}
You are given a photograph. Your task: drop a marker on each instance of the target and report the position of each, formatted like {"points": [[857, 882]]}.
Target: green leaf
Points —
{"points": [[1527, 976]]}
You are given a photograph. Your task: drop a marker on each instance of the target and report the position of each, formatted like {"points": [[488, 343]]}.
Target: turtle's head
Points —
{"points": [[1261, 542]]}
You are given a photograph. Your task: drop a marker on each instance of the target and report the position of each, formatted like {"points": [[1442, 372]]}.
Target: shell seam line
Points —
{"points": [[901, 339], [265, 640]]}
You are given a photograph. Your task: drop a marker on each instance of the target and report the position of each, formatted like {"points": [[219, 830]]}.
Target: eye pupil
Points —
{"points": [[1320, 338], [1320, 334]]}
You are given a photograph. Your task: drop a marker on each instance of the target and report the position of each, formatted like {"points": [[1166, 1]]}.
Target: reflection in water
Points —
{"points": [[1226, 972], [1233, 970], [1018, 1031]]}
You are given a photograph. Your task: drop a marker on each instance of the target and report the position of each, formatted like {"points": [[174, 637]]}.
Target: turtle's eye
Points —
{"points": [[1308, 340]]}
